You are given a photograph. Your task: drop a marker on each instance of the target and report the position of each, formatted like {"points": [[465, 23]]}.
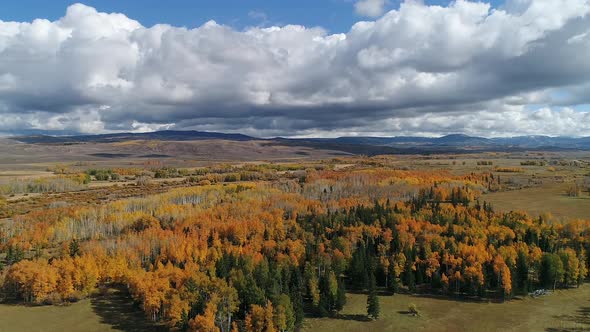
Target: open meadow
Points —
{"points": [[108, 311], [565, 310]]}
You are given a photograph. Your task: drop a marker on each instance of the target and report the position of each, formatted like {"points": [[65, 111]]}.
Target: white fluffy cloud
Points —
{"points": [[370, 8], [420, 69]]}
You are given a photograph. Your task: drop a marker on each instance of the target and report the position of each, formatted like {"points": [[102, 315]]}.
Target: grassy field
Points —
{"points": [[564, 310], [111, 312], [544, 187], [548, 198]]}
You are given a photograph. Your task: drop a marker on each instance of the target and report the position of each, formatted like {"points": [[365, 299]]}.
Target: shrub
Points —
{"points": [[100, 174], [53, 299], [232, 177], [574, 191], [509, 169], [142, 180], [75, 296], [43, 185], [165, 173], [533, 163], [145, 222]]}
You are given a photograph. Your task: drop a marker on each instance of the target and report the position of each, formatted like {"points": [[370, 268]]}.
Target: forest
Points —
{"points": [[266, 249]]}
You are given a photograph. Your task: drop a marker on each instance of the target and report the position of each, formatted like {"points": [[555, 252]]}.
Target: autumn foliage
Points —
{"points": [[252, 256]]}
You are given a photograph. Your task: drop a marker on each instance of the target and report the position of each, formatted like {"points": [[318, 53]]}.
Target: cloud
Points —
{"points": [[370, 8], [421, 69], [514, 122]]}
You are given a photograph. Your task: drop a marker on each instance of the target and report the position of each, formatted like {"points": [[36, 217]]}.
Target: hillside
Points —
{"points": [[453, 143]]}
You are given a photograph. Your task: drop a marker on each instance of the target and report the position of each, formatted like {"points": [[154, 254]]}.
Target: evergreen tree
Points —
{"points": [[340, 296], [392, 284], [522, 272], [296, 289], [74, 248], [329, 288], [358, 268], [409, 277], [372, 300], [182, 324], [14, 254], [323, 309]]}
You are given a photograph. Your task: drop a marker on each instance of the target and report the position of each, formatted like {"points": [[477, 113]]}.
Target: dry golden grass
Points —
{"points": [[548, 198]]}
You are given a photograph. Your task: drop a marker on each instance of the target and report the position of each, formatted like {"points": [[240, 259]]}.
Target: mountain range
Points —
{"points": [[460, 140], [356, 144]]}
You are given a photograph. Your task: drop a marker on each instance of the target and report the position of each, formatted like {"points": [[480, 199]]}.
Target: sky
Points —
{"points": [[307, 68], [333, 15]]}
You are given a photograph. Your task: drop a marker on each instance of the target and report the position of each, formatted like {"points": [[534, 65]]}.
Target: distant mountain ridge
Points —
{"points": [[395, 144], [461, 140], [165, 135]]}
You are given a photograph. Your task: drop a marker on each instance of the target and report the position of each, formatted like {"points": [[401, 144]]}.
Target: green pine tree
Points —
{"points": [[74, 248], [372, 300], [340, 296]]}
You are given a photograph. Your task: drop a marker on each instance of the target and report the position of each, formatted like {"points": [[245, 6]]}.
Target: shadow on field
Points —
{"points": [[405, 312], [380, 292], [578, 321], [356, 317], [116, 308], [491, 298]]}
